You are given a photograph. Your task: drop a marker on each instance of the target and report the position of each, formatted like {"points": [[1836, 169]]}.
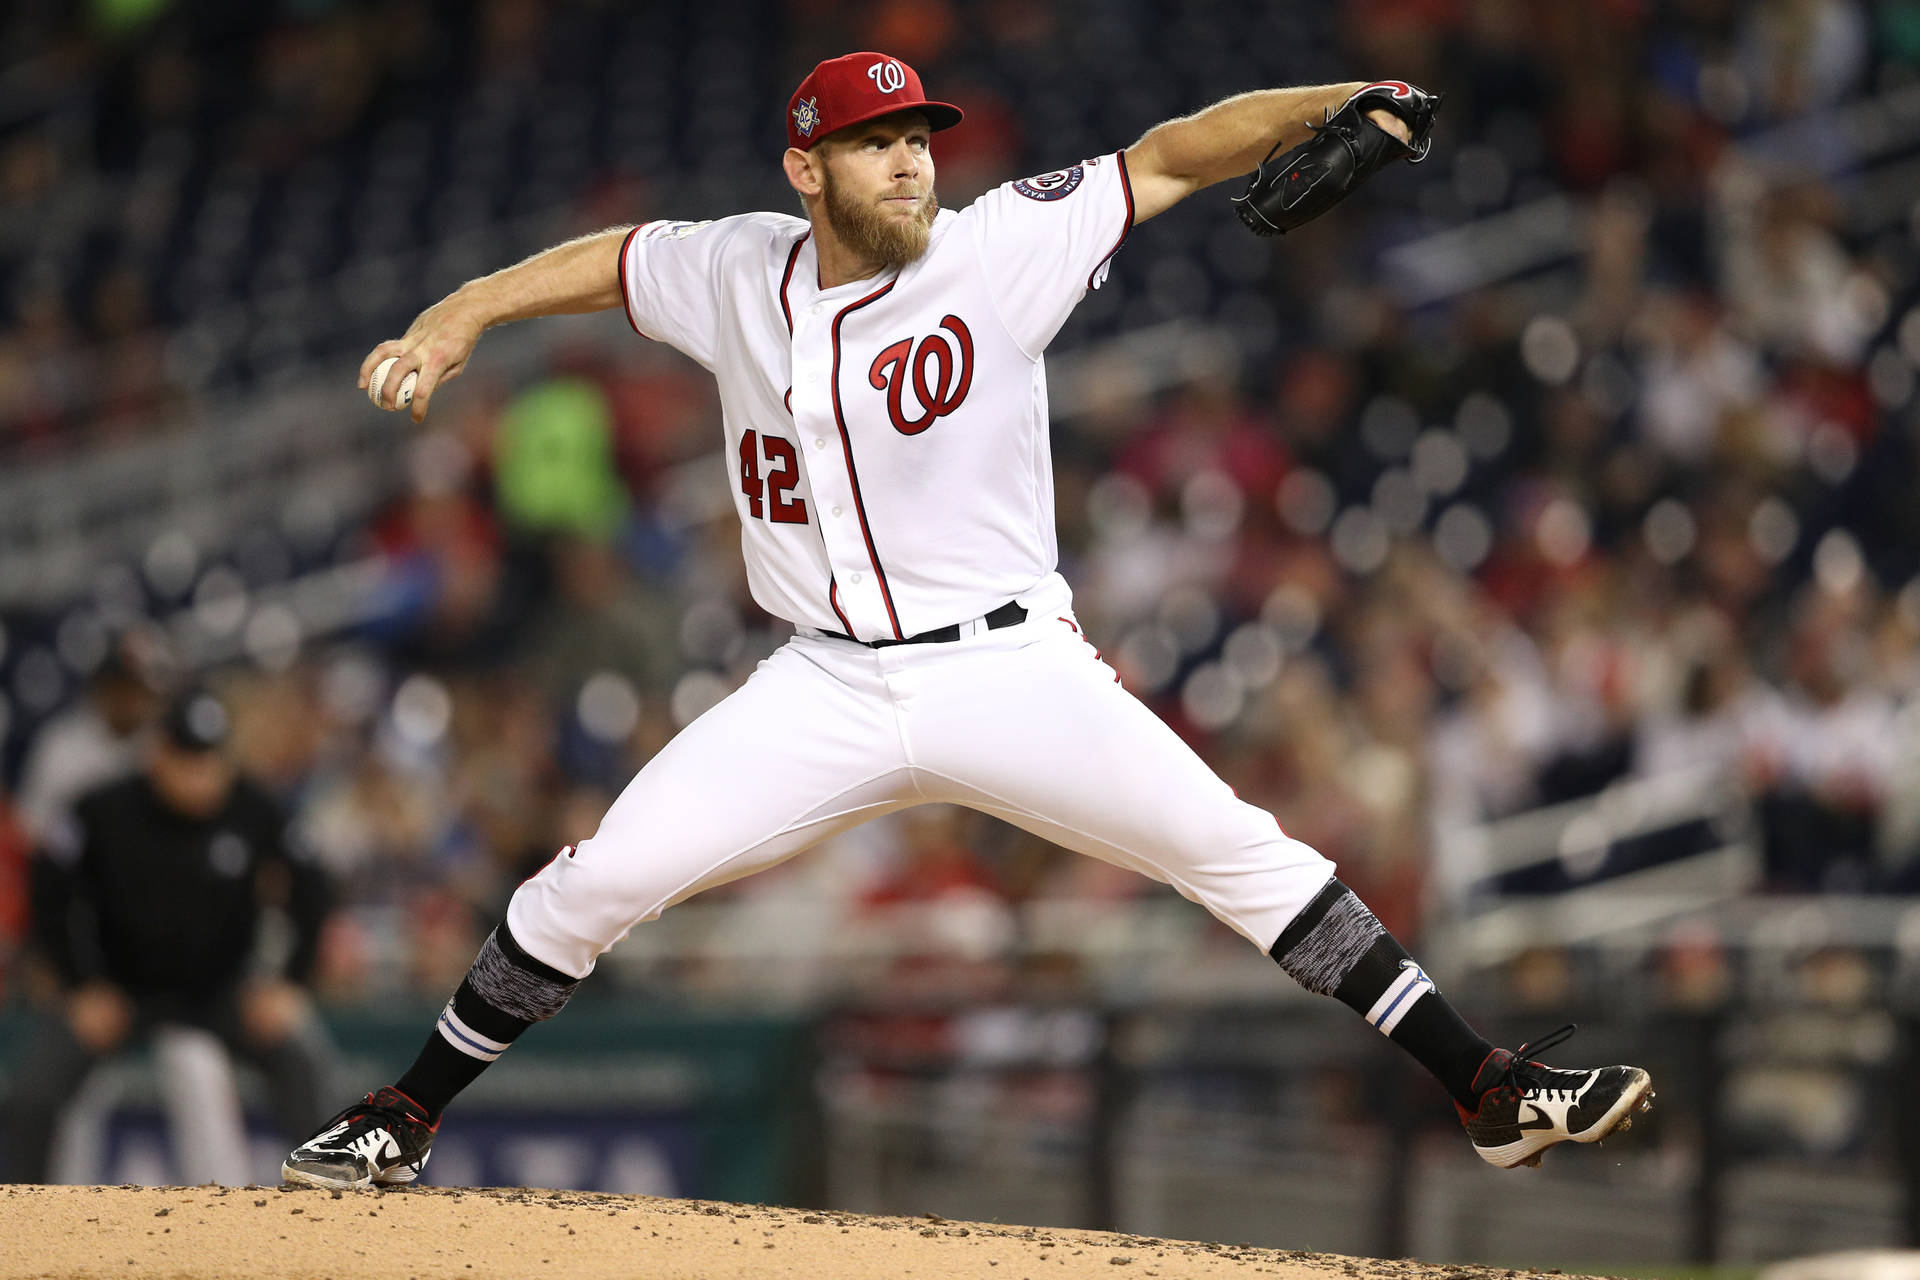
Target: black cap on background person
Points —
{"points": [[196, 720], [187, 766]]}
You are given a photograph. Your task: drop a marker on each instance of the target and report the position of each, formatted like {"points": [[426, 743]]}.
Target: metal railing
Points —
{"points": [[1615, 865]]}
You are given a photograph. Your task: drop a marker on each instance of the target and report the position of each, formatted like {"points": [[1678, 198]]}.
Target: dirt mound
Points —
{"points": [[149, 1233]]}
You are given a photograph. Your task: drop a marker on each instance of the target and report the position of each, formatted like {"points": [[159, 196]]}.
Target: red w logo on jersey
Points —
{"points": [[951, 366]]}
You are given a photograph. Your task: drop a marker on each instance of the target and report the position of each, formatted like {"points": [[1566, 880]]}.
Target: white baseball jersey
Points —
{"points": [[890, 435], [890, 439]]}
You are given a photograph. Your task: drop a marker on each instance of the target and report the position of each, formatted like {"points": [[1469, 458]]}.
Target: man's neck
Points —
{"points": [[838, 264]]}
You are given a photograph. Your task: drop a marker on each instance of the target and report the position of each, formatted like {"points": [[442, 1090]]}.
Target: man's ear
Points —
{"points": [[802, 172]]}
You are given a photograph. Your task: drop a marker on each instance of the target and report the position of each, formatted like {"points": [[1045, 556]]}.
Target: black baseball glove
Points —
{"points": [[1343, 152]]}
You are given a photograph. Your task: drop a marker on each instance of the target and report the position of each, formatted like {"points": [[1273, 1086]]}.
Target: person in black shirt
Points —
{"points": [[147, 904]]}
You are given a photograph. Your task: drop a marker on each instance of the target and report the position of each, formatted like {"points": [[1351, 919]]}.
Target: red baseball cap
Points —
{"points": [[859, 86]]}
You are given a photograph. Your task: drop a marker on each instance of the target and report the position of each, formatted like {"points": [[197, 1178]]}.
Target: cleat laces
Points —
{"points": [[361, 1119], [1525, 1076]]}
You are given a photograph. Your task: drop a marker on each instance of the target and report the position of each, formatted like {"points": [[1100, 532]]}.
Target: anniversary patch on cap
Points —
{"points": [[857, 87], [806, 116]]}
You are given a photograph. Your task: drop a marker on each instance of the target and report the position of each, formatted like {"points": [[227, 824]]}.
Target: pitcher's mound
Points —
{"points": [[213, 1233]]}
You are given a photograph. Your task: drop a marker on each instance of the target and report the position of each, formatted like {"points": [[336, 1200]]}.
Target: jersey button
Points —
{"points": [[816, 308], [813, 377], [856, 579], [819, 442], [836, 511]]}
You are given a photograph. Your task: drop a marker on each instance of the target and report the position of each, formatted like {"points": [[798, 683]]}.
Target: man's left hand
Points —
{"points": [[1382, 122], [1392, 123]]}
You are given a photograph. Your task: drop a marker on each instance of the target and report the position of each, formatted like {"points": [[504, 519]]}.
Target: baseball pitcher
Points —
{"points": [[881, 372]]}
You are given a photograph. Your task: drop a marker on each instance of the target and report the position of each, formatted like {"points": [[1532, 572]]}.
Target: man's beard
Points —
{"points": [[875, 234]]}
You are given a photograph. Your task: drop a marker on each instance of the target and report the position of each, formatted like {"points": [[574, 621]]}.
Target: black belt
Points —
{"points": [[1010, 614]]}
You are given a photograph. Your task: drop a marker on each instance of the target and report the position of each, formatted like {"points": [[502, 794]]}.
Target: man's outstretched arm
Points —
{"points": [[1230, 138], [580, 275]]}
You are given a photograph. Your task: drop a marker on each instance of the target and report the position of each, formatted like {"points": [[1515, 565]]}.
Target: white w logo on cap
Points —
{"points": [[888, 76]]}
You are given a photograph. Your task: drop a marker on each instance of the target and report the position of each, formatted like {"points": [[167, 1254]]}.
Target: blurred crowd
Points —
{"points": [[1396, 568]]}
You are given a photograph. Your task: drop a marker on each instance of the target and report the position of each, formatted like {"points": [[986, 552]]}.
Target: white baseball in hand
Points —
{"points": [[403, 397]]}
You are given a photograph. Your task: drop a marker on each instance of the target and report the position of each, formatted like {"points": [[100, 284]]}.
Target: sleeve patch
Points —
{"points": [[672, 230], [1057, 185]]}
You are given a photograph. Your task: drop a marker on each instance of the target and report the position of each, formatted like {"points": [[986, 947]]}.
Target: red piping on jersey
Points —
{"points": [[786, 277], [1126, 188], [846, 444], [786, 311], [833, 598], [626, 300]]}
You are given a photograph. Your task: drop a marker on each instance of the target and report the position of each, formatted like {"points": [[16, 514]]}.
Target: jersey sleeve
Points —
{"points": [[669, 277], [1046, 241]]}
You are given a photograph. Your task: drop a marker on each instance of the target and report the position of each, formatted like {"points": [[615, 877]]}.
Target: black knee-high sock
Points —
{"points": [[505, 992], [1336, 947]]}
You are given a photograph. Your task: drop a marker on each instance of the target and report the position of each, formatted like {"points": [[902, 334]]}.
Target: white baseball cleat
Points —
{"points": [[1526, 1106], [383, 1139]]}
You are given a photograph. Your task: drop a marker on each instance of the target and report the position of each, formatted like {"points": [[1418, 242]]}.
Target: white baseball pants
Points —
{"points": [[1024, 723]]}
